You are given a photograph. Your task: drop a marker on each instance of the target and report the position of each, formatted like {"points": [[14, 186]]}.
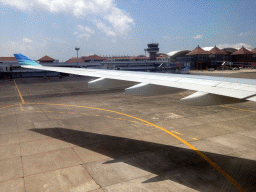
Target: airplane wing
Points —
{"points": [[209, 90]]}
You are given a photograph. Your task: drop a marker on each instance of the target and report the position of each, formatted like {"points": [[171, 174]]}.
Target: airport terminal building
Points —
{"points": [[198, 58], [213, 57]]}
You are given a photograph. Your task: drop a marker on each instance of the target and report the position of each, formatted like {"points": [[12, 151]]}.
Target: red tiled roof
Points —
{"points": [[253, 50], [217, 51], [198, 51], [137, 58], [243, 51], [93, 57], [46, 58], [8, 59], [75, 60]]}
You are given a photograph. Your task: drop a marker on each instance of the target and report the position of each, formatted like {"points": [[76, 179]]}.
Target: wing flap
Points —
{"points": [[202, 98], [146, 89], [252, 99], [104, 83]]}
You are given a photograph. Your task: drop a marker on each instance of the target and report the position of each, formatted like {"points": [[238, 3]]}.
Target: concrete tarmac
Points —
{"points": [[59, 135]]}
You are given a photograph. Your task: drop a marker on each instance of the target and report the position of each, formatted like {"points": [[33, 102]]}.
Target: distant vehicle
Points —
{"points": [[235, 68], [211, 69]]}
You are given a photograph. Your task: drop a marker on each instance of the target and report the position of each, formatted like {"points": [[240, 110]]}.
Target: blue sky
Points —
{"points": [[122, 27]]}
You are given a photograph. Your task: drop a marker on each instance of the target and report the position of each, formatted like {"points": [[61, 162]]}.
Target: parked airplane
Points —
{"points": [[209, 90]]}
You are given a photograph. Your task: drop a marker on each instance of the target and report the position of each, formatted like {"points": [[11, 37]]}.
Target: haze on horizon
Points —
{"points": [[107, 27]]}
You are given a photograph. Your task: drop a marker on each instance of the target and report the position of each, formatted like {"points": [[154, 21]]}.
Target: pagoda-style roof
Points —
{"points": [[198, 51], [75, 60], [217, 51], [93, 57], [243, 51], [46, 59], [254, 50], [8, 59]]}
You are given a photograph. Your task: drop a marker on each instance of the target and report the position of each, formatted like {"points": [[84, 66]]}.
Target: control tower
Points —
{"points": [[152, 50]]}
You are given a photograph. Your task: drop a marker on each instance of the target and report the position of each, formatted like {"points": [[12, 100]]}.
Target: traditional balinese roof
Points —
{"points": [[8, 59], [216, 51], [93, 57], [243, 51], [75, 60], [46, 59], [253, 50], [198, 51]]}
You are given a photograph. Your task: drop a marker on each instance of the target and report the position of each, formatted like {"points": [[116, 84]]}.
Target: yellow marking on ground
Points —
{"points": [[121, 119], [96, 115], [183, 95], [21, 108], [9, 106], [62, 112], [48, 111], [109, 117], [177, 132], [134, 121], [83, 113], [238, 109], [21, 98], [195, 139], [147, 124], [212, 163], [73, 112]]}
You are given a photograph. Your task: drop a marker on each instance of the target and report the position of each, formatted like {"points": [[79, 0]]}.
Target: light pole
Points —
{"points": [[77, 49]]}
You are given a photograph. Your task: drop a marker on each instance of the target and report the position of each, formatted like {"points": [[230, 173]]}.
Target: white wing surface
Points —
{"points": [[209, 90]]}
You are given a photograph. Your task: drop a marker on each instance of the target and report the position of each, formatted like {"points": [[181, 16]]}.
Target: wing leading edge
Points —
{"points": [[209, 90]]}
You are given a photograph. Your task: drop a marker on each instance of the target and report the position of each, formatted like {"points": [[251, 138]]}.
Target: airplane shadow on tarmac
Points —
{"points": [[177, 164]]}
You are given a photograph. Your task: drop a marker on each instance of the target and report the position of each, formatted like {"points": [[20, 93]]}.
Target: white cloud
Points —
{"points": [[11, 47], [83, 32], [236, 46], [198, 37], [110, 19], [27, 40], [108, 30], [241, 34]]}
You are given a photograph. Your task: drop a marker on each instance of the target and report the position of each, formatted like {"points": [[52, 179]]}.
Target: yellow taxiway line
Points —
{"points": [[212, 163], [21, 98], [238, 109]]}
